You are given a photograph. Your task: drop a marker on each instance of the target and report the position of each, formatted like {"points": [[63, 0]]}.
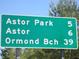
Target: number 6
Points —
{"points": [[70, 33]]}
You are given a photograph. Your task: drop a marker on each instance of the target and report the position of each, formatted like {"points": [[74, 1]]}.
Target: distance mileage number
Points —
{"points": [[70, 34]]}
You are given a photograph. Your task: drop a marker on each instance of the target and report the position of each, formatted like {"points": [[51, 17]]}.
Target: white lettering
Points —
{"points": [[21, 41], [50, 42], [8, 31], [17, 31], [8, 21], [8, 40], [43, 23]]}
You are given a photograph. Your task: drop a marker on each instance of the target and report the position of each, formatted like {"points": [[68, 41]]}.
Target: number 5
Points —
{"points": [[69, 23]]}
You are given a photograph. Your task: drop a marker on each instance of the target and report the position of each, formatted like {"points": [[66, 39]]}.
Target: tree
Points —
{"points": [[11, 53], [5, 54], [66, 8]]}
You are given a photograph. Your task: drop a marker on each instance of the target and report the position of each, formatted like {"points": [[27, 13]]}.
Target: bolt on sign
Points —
{"points": [[39, 32]]}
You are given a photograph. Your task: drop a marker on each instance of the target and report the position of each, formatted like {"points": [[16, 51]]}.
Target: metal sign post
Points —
{"points": [[17, 55], [62, 54]]}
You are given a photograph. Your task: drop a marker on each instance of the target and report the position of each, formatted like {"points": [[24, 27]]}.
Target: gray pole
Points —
{"points": [[17, 53], [62, 54]]}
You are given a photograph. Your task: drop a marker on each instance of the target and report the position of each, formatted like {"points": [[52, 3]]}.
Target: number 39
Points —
{"points": [[68, 41]]}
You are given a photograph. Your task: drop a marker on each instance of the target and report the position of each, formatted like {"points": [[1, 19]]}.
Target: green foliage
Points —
{"points": [[66, 8], [11, 53], [5, 54]]}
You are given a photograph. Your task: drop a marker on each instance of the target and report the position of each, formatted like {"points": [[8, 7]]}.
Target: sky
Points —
{"points": [[25, 7]]}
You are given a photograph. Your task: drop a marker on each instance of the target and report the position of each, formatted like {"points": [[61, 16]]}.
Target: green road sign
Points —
{"points": [[38, 32]]}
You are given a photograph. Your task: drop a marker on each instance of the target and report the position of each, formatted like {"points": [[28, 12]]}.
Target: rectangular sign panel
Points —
{"points": [[38, 32]]}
